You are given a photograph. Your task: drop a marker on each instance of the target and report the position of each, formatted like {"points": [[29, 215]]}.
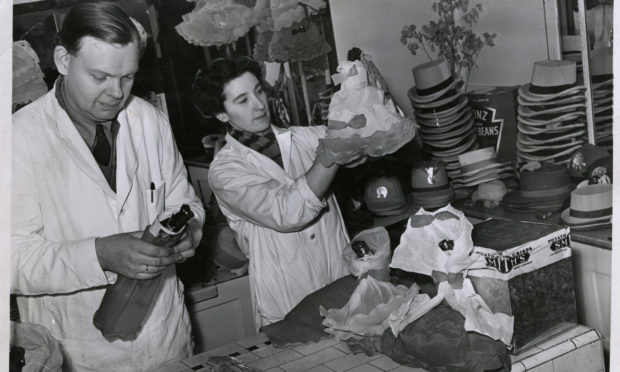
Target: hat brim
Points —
{"points": [[525, 92], [457, 131], [383, 221], [442, 114], [415, 98], [528, 129], [437, 127], [515, 198], [570, 220], [467, 145], [563, 100], [443, 100], [529, 140], [491, 177], [524, 111], [559, 120]]}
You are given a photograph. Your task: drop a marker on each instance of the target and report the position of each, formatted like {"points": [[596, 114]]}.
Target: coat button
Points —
{"points": [[312, 236]]}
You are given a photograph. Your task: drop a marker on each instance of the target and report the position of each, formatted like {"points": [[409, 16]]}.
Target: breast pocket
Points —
{"points": [[156, 196]]}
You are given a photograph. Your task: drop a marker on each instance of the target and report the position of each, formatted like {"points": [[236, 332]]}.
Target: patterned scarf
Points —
{"points": [[264, 142]]}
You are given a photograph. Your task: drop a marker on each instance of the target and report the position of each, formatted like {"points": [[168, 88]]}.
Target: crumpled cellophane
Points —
{"points": [[383, 130], [216, 22], [28, 83], [439, 244], [42, 350], [367, 312]]}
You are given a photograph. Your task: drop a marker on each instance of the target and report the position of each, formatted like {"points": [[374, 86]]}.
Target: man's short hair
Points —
{"points": [[208, 86], [102, 20]]}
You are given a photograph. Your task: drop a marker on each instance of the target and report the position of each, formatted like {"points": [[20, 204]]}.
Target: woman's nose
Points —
{"points": [[257, 103]]}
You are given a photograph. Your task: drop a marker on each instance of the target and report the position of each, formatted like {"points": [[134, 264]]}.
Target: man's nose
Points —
{"points": [[115, 89]]}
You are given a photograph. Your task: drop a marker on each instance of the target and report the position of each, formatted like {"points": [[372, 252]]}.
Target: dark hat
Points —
{"points": [[542, 188], [384, 197], [429, 184], [587, 158]]}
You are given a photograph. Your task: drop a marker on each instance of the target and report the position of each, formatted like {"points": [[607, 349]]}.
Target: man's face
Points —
{"points": [[245, 104], [98, 78]]}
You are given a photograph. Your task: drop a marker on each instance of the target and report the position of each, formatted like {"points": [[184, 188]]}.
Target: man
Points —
{"points": [[92, 166], [273, 191]]}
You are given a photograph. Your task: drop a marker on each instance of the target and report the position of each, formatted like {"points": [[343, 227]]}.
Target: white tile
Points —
{"points": [[586, 358], [384, 363], [563, 336], [408, 369], [586, 338], [517, 367], [548, 355], [312, 348], [365, 368], [349, 361], [223, 350], [312, 360], [320, 368], [275, 360], [524, 354], [547, 367], [248, 357], [267, 350], [256, 340], [173, 367], [343, 347]]}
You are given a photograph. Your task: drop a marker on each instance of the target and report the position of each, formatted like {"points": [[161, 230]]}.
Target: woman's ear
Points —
{"points": [[61, 59], [222, 117]]}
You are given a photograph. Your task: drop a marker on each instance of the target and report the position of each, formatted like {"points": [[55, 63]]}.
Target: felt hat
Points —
{"points": [[551, 79], [432, 81], [477, 161], [541, 186], [385, 199], [585, 161], [429, 184], [590, 207]]}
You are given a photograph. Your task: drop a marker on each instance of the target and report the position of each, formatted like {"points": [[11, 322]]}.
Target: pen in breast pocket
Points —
{"points": [[152, 190]]}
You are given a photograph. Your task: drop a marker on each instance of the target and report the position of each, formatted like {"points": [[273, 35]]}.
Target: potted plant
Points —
{"points": [[450, 36]]}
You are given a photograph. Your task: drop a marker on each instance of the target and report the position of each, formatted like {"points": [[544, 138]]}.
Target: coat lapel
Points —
{"points": [[74, 144], [127, 144]]}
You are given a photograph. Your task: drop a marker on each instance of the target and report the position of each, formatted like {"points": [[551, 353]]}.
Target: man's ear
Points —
{"points": [[222, 117], [61, 59]]}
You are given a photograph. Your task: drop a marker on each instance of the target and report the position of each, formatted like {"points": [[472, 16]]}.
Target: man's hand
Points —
{"points": [[187, 244], [131, 257]]}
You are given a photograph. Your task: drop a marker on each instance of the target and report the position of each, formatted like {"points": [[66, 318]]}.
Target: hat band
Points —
{"points": [[550, 90], [601, 78], [478, 165], [545, 193], [436, 188], [435, 88], [591, 214]]}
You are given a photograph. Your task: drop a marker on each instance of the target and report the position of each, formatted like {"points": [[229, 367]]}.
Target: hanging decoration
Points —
{"points": [[28, 83], [216, 22]]}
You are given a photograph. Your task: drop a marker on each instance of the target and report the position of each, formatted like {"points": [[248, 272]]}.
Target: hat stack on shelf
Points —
{"points": [[552, 113], [480, 166], [441, 109], [601, 73], [543, 187], [430, 188]]}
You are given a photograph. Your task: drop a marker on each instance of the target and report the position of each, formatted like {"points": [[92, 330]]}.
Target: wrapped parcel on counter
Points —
{"points": [[361, 119], [528, 274], [439, 244]]}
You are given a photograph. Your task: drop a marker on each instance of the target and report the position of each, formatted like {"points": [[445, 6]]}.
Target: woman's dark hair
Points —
{"points": [[208, 86], [101, 20]]}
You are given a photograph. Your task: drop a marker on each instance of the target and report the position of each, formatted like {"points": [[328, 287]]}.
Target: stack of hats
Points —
{"points": [[385, 199], [590, 208], [429, 185], [441, 109], [552, 113], [543, 187], [591, 161], [479, 166], [601, 72]]}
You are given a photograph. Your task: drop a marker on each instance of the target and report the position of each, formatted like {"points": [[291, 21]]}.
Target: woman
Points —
{"points": [[273, 191]]}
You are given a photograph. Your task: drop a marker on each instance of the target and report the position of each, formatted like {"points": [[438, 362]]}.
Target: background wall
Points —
{"points": [[374, 26]]}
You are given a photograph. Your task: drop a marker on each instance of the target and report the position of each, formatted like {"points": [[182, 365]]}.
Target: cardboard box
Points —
{"points": [[529, 275], [495, 119]]}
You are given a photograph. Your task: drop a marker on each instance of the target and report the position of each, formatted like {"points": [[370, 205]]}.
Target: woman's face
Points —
{"points": [[245, 104]]}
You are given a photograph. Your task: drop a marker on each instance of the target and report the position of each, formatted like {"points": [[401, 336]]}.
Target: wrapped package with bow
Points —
{"points": [[362, 119], [439, 244]]}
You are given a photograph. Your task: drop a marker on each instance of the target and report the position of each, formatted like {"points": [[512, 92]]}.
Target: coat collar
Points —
{"points": [[283, 136], [127, 146]]}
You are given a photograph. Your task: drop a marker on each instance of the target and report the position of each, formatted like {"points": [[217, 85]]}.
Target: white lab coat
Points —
{"points": [[293, 240], [61, 202]]}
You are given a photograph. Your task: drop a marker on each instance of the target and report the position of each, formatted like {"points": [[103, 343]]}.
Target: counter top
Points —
{"points": [[600, 238], [577, 348]]}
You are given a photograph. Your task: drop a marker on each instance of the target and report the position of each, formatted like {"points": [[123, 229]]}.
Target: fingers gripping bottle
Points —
{"points": [[125, 305]]}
